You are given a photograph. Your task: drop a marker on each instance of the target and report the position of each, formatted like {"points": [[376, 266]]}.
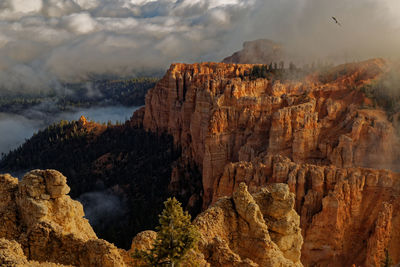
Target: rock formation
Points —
{"points": [[40, 225], [262, 51], [47, 224], [354, 205], [252, 230], [11, 255], [319, 135], [246, 230]]}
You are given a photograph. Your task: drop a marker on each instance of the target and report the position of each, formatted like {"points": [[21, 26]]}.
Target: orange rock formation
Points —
{"points": [[324, 132]]}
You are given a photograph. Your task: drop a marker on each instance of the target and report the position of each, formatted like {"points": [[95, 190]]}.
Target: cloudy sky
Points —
{"points": [[43, 42]]}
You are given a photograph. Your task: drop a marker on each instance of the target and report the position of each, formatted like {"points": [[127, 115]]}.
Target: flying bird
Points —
{"points": [[337, 22]]}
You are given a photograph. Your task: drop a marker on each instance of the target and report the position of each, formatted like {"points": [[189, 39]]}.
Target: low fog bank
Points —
{"points": [[15, 129]]}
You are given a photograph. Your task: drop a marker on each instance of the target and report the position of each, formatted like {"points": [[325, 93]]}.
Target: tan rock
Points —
{"points": [[48, 224], [11, 255], [238, 231]]}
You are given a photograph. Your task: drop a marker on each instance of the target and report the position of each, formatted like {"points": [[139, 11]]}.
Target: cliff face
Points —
{"points": [[354, 205], [325, 131], [252, 230]]}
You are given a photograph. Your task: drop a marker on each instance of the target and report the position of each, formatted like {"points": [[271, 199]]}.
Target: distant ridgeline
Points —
{"points": [[127, 92]]}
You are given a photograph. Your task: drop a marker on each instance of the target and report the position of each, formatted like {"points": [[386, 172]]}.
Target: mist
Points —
{"points": [[15, 129], [101, 207], [46, 42]]}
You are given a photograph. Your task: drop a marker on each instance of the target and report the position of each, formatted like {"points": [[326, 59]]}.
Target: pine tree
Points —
{"points": [[387, 262], [175, 237]]}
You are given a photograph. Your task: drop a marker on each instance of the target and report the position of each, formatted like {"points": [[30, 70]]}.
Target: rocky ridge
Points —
{"points": [[260, 229], [325, 131], [41, 226]]}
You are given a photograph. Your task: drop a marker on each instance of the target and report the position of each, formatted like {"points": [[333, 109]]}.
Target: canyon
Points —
{"points": [[319, 150], [322, 136]]}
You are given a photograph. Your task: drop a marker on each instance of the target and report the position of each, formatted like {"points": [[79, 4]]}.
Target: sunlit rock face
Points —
{"points": [[48, 225], [319, 135], [260, 229], [41, 225]]}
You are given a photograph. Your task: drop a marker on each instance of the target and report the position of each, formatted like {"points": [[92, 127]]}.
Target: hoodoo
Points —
{"points": [[322, 136]]}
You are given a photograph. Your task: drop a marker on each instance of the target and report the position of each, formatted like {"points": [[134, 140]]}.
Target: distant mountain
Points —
{"points": [[262, 51]]}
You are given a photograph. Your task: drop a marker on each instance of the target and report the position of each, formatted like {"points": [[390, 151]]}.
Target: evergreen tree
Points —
{"points": [[387, 262], [175, 237]]}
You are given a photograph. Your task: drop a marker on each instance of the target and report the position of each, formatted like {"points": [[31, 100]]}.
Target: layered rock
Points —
{"points": [[326, 132], [48, 225], [217, 118], [354, 205]]}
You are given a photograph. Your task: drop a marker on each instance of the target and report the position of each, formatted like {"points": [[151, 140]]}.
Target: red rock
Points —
{"points": [[313, 135]]}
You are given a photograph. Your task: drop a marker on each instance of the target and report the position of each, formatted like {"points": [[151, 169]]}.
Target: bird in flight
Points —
{"points": [[337, 22]]}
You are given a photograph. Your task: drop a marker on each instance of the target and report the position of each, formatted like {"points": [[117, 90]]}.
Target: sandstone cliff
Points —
{"points": [[354, 205], [325, 131], [252, 230]]}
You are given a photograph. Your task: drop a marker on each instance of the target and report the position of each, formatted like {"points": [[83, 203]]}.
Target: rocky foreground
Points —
{"points": [[40, 225]]}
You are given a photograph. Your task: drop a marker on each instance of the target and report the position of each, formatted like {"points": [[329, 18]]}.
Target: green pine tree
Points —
{"points": [[387, 262], [175, 237]]}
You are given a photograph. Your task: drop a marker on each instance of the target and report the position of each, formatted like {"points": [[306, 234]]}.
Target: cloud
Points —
{"points": [[81, 23], [23, 6], [69, 40]]}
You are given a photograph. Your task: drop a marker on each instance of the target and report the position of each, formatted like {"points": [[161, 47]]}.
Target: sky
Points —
{"points": [[46, 42]]}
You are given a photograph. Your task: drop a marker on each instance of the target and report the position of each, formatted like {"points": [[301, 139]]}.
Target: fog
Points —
{"points": [[45, 42], [14, 129], [102, 207]]}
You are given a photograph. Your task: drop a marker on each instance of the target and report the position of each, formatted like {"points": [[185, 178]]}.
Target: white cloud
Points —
{"points": [[26, 6], [81, 23]]}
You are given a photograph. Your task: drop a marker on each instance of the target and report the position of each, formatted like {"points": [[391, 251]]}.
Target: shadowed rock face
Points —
{"points": [[317, 135], [262, 51]]}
